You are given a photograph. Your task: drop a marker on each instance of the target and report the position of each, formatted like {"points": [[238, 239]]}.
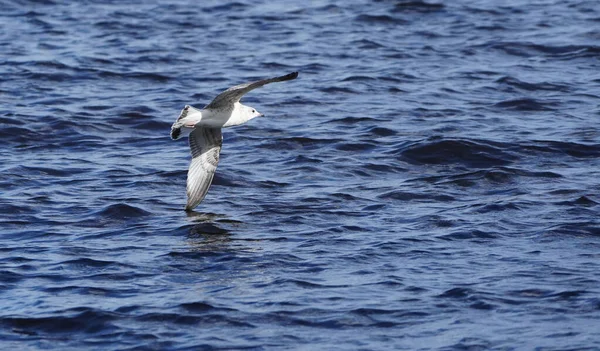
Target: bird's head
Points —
{"points": [[251, 112]]}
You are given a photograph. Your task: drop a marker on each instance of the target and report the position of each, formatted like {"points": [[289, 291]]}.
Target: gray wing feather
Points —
{"points": [[232, 95], [205, 145]]}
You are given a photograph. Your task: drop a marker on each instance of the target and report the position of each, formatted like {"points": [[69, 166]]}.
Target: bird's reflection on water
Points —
{"points": [[211, 231]]}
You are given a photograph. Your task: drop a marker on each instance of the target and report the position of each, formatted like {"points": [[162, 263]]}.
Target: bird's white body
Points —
{"points": [[213, 118], [204, 130]]}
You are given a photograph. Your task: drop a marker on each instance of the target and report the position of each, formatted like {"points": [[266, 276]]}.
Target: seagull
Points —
{"points": [[204, 130]]}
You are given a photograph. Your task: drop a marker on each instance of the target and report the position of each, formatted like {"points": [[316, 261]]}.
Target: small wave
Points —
{"points": [[380, 19], [365, 44], [564, 148], [227, 7], [87, 320], [352, 120], [55, 77], [543, 86], [528, 49], [496, 207], [338, 90], [122, 211], [213, 319], [527, 104], [203, 307], [583, 228], [302, 159], [456, 293], [88, 262], [294, 142], [583, 201], [409, 196], [381, 131], [358, 79]]}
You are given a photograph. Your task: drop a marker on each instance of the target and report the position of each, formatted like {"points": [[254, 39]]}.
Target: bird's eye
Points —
{"points": [[253, 111]]}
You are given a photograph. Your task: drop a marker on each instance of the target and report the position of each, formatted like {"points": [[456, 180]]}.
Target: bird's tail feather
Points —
{"points": [[179, 123]]}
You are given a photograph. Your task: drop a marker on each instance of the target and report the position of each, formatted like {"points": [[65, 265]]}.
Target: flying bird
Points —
{"points": [[204, 129]]}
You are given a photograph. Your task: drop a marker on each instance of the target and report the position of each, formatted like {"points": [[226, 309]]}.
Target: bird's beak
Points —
{"points": [[261, 115]]}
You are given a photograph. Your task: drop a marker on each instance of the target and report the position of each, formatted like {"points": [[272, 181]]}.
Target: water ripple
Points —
{"points": [[428, 182]]}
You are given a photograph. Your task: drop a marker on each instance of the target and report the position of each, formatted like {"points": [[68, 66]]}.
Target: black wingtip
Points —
{"points": [[175, 132], [290, 76]]}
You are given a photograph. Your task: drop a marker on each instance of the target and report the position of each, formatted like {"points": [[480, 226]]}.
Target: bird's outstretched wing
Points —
{"points": [[226, 99], [205, 145]]}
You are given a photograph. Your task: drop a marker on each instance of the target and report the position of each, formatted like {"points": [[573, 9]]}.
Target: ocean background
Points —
{"points": [[429, 182]]}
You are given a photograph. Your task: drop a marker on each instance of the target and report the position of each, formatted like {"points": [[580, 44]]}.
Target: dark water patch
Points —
{"points": [[20, 135], [9, 120], [357, 78], [496, 207], [79, 320], [585, 201], [94, 291], [10, 209], [352, 120], [9, 277], [469, 235], [470, 344], [542, 86], [418, 6], [363, 44], [148, 76], [456, 293], [98, 107], [380, 19], [356, 147], [408, 196], [582, 201], [202, 307], [339, 90], [466, 152], [229, 180], [373, 207], [270, 184], [89, 263], [227, 7]]}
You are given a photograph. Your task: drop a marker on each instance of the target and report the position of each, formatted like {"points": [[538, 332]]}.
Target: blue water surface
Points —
{"points": [[430, 181]]}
